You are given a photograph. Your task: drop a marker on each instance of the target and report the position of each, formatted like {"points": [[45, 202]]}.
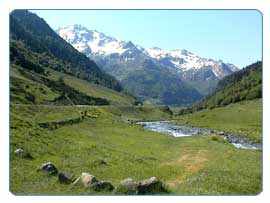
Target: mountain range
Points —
{"points": [[154, 75]]}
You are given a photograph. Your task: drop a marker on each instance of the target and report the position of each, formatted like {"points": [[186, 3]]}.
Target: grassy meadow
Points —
{"points": [[111, 148]]}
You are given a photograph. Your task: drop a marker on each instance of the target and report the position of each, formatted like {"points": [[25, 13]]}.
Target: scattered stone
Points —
{"points": [[19, 152], [65, 178], [147, 186], [90, 181], [86, 179], [129, 183], [22, 153], [127, 186], [102, 186], [151, 186], [220, 133], [49, 168]]}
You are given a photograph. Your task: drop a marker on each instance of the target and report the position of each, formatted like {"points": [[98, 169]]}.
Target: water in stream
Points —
{"points": [[183, 131]]}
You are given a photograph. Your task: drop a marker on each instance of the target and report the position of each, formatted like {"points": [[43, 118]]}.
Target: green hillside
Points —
{"points": [[243, 85], [90, 89], [56, 88], [29, 31], [41, 75]]}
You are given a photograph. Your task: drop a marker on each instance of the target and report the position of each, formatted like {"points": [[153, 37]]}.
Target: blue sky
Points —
{"points": [[234, 36]]}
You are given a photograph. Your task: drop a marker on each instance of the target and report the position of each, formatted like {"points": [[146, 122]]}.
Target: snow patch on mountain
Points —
{"points": [[83, 39], [94, 43]]}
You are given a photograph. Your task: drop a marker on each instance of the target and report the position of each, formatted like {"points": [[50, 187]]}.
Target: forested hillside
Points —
{"points": [[47, 70], [33, 33], [245, 84]]}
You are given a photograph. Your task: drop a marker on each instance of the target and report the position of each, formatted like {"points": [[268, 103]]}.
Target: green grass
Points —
{"points": [[116, 98], [146, 112], [22, 86], [243, 119], [112, 149]]}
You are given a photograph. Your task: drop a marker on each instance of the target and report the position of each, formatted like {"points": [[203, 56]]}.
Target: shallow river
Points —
{"points": [[183, 131]]}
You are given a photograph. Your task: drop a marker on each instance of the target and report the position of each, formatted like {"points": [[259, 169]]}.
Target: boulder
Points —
{"points": [[86, 179], [19, 152], [150, 186], [127, 186], [129, 183], [65, 178], [23, 154], [102, 186], [49, 168], [147, 186]]}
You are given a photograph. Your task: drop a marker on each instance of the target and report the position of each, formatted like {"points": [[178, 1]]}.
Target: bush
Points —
{"points": [[214, 137]]}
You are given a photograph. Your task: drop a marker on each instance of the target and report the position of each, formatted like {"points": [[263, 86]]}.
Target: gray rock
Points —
{"points": [[129, 183], [49, 168], [19, 152], [87, 179], [147, 186], [151, 186], [102, 186], [65, 178], [127, 186], [23, 154]]}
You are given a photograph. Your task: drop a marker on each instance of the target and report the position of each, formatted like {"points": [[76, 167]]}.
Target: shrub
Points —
{"points": [[215, 137]]}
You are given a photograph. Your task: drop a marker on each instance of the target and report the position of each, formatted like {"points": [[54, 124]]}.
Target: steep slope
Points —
{"points": [[40, 38], [121, 58], [30, 83], [40, 77], [245, 84]]}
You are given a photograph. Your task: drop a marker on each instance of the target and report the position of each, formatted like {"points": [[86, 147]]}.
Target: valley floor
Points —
{"points": [[111, 147]]}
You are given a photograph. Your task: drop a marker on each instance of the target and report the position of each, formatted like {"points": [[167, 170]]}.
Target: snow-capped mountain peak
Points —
{"points": [[90, 41], [94, 43]]}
